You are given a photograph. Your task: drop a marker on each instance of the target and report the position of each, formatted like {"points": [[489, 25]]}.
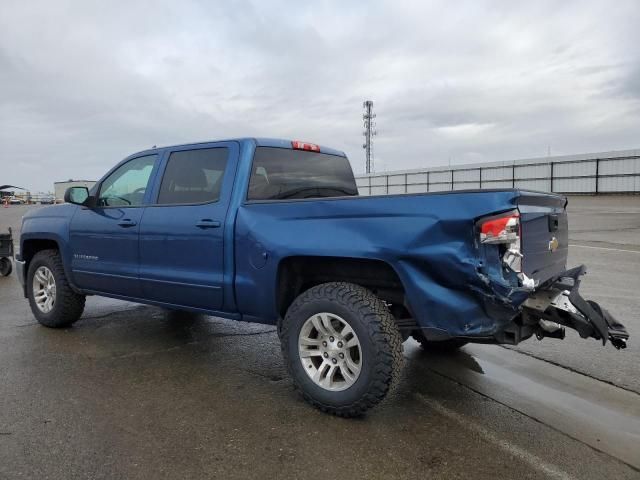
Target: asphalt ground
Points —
{"points": [[604, 235], [134, 392]]}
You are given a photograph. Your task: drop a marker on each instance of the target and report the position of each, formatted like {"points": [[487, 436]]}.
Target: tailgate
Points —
{"points": [[545, 234]]}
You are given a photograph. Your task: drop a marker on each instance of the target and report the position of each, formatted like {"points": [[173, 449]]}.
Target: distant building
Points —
{"points": [[61, 187]]}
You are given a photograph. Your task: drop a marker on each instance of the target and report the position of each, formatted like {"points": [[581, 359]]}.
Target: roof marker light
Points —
{"points": [[311, 147]]}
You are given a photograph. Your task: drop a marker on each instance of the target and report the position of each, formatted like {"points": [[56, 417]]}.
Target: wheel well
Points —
{"points": [[298, 274], [31, 247]]}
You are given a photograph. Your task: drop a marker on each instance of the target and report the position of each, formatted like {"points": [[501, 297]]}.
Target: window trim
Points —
{"points": [[154, 201], [114, 169], [249, 201]]}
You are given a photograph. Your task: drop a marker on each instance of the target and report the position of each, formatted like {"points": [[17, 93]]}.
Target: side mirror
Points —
{"points": [[76, 195]]}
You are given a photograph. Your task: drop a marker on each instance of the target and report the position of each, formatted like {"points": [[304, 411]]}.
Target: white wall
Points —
{"points": [[604, 172]]}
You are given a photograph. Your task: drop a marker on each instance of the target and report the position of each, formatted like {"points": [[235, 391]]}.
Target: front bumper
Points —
{"points": [[557, 304]]}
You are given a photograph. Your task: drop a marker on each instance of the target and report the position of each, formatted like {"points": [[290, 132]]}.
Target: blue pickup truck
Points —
{"points": [[273, 231]]}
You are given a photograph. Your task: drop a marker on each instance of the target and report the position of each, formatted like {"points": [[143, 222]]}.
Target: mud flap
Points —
{"points": [[558, 303]]}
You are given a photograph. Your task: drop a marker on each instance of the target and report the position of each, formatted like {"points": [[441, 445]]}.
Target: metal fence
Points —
{"points": [[592, 173]]}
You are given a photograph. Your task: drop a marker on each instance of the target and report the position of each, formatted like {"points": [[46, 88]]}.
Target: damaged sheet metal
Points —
{"points": [[466, 266], [453, 285], [559, 301]]}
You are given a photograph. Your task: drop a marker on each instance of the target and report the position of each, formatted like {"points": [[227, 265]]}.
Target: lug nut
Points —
{"points": [[331, 339], [339, 344], [325, 354], [324, 344], [342, 355], [333, 360]]}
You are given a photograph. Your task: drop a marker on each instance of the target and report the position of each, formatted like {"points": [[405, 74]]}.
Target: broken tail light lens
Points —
{"points": [[501, 230], [504, 232]]}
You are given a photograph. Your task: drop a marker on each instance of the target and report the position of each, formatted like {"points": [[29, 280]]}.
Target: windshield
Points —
{"points": [[281, 173]]}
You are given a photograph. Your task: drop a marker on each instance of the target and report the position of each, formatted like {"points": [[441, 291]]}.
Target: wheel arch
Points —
{"points": [[296, 274], [30, 246]]}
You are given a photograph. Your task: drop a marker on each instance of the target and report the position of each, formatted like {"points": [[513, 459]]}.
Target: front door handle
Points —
{"points": [[127, 222], [208, 223]]}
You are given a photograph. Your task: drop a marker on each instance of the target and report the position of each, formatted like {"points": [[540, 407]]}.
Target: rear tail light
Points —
{"points": [[311, 147], [504, 232], [501, 230]]}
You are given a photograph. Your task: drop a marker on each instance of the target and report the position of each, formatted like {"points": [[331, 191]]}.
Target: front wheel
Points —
{"points": [[342, 348], [52, 300]]}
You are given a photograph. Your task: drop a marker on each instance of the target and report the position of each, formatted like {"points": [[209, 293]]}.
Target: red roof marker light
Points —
{"points": [[311, 147]]}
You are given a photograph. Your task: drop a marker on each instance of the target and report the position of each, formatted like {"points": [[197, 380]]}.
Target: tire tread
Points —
{"points": [[70, 304], [382, 330]]}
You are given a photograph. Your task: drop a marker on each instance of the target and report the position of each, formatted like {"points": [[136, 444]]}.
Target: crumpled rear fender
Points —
{"points": [[456, 289]]}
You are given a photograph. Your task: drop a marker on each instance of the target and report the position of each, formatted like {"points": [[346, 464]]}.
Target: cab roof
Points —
{"points": [[258, 141]]}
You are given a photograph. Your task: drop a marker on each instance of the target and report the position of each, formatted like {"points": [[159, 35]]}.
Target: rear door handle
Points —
{"points": [[208, 223], [127, 222]]}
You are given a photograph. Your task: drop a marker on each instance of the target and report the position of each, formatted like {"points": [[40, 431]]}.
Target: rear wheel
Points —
{"points": [[52, 300], [342, 348], [5, 267]]}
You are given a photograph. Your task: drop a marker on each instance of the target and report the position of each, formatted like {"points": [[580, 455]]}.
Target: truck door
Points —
{"points": [[182, 232], [104, 239]]}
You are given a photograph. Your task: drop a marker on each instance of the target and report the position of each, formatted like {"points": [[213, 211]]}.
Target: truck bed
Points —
{"points": [[428, 239]]}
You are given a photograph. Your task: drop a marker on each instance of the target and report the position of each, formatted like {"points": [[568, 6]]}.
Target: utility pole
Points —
{"points": [[369, 133]]}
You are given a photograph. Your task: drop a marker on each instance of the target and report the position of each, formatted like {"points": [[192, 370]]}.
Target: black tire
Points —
{"points": [[6, 267], [68, 305], [380, 344], [443, 346]]}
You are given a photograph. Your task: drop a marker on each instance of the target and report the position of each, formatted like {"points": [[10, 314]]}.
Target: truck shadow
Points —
{"points": [[159, 340]]}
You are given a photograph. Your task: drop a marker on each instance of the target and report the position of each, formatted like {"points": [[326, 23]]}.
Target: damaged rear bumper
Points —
{"points": [[557, 304]]}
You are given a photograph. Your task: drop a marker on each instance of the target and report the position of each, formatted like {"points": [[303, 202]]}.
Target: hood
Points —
{"points": [[61, 210]]}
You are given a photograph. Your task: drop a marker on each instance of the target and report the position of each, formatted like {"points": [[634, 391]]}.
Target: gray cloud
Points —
{"points": [[83, 85]]}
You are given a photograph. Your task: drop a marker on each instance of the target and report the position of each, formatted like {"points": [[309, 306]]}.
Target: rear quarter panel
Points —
{"points": [[428, 239]]}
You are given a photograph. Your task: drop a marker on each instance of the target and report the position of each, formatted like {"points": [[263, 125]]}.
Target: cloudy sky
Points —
{"points": [[83, 84]]}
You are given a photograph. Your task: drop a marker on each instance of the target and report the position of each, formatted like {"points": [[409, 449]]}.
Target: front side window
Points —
{"points": [[193, 176], [126, 186], [281, 173]]}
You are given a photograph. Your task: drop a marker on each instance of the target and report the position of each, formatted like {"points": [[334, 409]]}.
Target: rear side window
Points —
{"points": [[281, 173], [193, 176]]}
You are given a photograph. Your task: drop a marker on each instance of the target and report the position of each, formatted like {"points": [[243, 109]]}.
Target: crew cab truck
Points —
{"points": [[273, 231]]}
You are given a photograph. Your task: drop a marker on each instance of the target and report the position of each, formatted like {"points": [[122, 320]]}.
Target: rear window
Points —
{"points": [[280, 173]]}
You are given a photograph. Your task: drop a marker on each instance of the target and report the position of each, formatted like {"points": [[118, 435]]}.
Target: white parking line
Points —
{"points": [[604, 248], [529, 458]]}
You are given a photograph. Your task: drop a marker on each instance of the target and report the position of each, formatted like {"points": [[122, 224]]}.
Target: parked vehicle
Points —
{"points": [[47, 201], [16, 201], [273, 231], [6, 252]]}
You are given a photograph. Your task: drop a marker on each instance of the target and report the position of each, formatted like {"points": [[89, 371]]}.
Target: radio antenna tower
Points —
{"points": [[369, 133]]}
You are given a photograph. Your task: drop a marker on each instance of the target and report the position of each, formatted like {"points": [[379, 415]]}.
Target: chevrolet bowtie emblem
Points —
{"points": [[553, 244]]}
